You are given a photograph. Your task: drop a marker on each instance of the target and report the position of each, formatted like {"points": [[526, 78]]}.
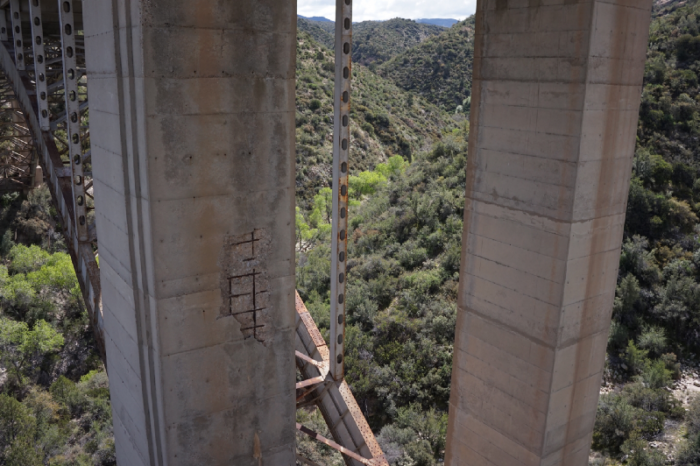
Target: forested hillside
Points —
{"points": [[319, 31], [386, 120], [402, 280], [54, 395], [430, 61], [373, 42], [439, 69], [656, 318]]}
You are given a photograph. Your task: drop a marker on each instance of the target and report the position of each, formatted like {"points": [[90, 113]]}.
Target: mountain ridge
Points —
{"points": [[444, 22], [439, 68], [374, 42], [321, 19]]}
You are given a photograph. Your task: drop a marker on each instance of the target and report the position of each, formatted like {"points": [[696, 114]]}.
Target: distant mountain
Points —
{"points": [[439, 68], [316, 18], [444, 22], [318, 30], [373, 42]]}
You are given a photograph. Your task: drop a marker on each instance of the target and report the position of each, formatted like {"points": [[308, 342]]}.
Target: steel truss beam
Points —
{"points": [[20, 92], [39, 63], [72, 102], [17, 38], [3, 25], [334, 399], [341, 149]]}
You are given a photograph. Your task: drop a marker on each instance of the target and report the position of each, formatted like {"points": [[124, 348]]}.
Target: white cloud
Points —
{"points": [[364, 10]]}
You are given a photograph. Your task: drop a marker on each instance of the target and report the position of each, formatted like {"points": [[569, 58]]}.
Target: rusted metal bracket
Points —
{"points": [[334, 399], [309, 382], [332, 444]]}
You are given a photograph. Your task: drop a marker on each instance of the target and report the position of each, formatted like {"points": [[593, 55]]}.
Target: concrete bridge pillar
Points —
{"points": [[555, 103], [192, 124]]}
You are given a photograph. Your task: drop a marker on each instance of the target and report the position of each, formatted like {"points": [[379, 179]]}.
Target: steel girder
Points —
{"points": [[42, 123]]}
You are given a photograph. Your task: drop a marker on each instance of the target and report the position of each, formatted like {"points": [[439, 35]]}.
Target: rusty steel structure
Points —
{"points": [[323, 366], [44, 118], [17, 154], [44, 121]]}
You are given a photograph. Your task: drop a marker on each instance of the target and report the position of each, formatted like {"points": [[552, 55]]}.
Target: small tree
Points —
{"points": [[17, 429], [22, 349]]}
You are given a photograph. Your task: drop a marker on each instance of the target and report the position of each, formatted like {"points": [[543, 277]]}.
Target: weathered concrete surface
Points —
{"points": [[556, 91], [192, 124]]}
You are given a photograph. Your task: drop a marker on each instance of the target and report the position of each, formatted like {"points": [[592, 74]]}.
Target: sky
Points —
{"points": [[364, 10]]}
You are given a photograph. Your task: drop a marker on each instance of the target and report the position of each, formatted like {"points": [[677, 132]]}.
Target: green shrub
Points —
{"points": [[27, 258], [653, 339], [635, 358], [639, 453], [689, 454], [693, 416], [617, 421], [656, 375]]}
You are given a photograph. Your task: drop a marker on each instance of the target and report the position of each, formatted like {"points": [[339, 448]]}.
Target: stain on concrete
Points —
{"points": [[244, 284], [257, 451]]}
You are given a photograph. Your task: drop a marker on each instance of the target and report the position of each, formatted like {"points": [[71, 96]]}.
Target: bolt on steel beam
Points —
{"points": [[39, 64], [16, 14], [70, 80], [341, 149]]}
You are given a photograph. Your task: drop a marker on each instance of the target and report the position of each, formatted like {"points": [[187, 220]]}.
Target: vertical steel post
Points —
{"points": [[17, 33], [39, 63], [70, 87], [3, 25], [341, 149]]}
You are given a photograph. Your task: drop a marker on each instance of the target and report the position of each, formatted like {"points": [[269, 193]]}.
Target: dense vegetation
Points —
{"points": [[374, 42], [319, 31], [431, 61], [402, 281], [386, 120], [439, 69], [54, 396], [656, 317]]}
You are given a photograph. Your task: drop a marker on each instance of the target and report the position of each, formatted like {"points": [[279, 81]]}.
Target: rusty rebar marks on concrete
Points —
{"points": [[244, 283]]}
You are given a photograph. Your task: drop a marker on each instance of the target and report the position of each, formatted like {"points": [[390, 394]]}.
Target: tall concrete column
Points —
{"points": [[555, 102], [192, 125]]}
